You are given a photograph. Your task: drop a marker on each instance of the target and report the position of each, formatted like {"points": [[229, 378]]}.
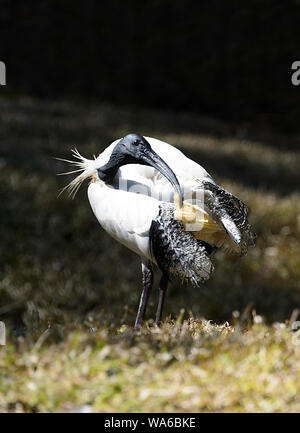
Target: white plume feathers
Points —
{"points": [[87, 167]]}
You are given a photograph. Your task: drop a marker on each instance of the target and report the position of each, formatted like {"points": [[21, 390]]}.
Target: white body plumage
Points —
{"points": [[126, 208]]}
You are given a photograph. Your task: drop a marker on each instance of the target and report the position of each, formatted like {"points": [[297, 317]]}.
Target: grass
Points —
{"points": [[186, 366], [69, 293]]}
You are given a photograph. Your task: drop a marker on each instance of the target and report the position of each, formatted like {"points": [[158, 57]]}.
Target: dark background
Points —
{"points": [[222, 58]]}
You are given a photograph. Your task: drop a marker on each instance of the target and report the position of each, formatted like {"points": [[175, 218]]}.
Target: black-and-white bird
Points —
{"points": [[165, 207]]}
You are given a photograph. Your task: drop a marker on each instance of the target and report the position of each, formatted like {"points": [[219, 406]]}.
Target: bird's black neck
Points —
{"points": [[108, 171]]}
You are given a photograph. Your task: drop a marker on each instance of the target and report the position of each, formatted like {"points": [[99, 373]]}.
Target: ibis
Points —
{"points": [[165, 207]]}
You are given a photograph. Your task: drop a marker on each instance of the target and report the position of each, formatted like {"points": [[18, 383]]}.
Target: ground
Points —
{"points": [[69, 293]]}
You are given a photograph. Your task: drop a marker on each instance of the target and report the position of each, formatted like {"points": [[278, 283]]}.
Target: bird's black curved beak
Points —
{"points": [[151, 158]]}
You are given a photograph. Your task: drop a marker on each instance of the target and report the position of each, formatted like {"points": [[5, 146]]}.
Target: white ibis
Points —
{"points": [[165, 207]]}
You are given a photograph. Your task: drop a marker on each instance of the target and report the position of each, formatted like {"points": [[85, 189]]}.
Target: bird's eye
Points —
{"points": [[136, 142]]}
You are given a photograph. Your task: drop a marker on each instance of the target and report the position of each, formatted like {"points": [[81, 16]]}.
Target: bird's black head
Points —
{"points": [[135, 149], [132, 147]]}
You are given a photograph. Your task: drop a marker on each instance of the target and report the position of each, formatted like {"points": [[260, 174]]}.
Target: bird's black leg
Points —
{"points": [[147, 277], [163, 285]]}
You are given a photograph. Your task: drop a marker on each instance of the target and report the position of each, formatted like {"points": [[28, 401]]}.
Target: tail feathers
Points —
{"points": [[87, 167], [231, 214], [177, 252]]}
